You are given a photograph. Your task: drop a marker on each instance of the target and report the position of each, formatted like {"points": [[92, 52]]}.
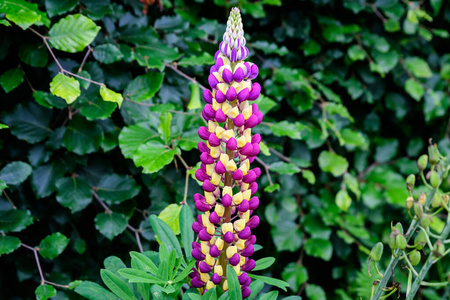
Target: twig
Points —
{"points": [[107, 210], [266, 167], [85, 58], [280, 155], [186, 184], [38, 263], [9, 199], [183, 162], [173, 67]]}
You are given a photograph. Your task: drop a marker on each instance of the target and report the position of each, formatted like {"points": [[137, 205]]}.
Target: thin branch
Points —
{"points": [[85, 58], [107, 210], [280, 155], [9, 199], [174, 67], [183, 162], [186, 184], [266, 167]]}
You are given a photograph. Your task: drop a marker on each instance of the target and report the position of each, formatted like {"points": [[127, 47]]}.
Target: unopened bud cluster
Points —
{"points": [[228, 148]]}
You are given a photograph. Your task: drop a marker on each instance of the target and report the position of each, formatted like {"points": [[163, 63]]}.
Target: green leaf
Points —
{"points": [[343, 200], [270, 48], [265, 104], [48, 100], [134, 275], [45, 291], [164, 126], [81, 136], [58, 7], [131, 137], [273, 295], [15, 173], [8, 244], [110, 224], [264, 263], [414, 88], [210, 294], [153, 156], [355, 53], [74, 193], [286, 236], [311, 47], [391, 25], [114, 188], [418, 67], [44, 178], [271, 281], [203, 59], [23, 7], [333, 163], [107, 53], [109, 95], [284, 168], [144, 87], [165, 234], [117, 285], [234, 288], [295, 275], [194, 101], [23, 18], [353, 184], [11, 79], [315, 292], [309, 176], [319, 248], [171, 216], [53, 245], [386, 150], [14, 220], [65, 87], [144, 261], [272, 188], [93, 291], [94, 107], [154, 55], [187, 235], [73, 33], [284, 128], [185, 272]]}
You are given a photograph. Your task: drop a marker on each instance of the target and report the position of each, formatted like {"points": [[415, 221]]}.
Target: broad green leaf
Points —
{"points": [[81, 136], [14, 220], [73, 33], [15, 173], [309, 176], [284, 128], [114, 188], [110, 224], [391, 25], [74, 193], [131, 137], [45, 291], [264, 263], [353, 184], [414, 88], [284, 168], [93, 291], [194, 101], [3, 126], [310, 48], [11, 79], [353, 138], [272, 188], [210, 294], [53, 245], [49, 100], [153, 156], [319, 248], [270, 48], [164, 126], [11, 7], [287, 236], [5, 23], [144, 87], [203, 59], [111, 96], [295, 275], [333, 163], [43, 178], [234, 288], [58, 7], [171, 216], [165, 234], [315, 292], [8, 244], [187, 270], [271, 281], [386, 150], [265, 104], [355, 52], [94, 107], [140, 276], [23, 18], [343, 200], [117, 285], [65, 87], [147, 263], [154, 55], [273, 295], [418, 67], [107, 53], [187, 235]]}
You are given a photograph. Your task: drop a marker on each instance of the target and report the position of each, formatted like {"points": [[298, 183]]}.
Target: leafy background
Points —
{"points": [[353, 91]]}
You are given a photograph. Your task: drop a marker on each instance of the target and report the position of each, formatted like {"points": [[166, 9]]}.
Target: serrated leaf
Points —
{"points": [[45, 291], [333, 163], [23, 18], [48, 100], [107, 53], [8, 244], [73, 33], [144, 87], [65, 87], [110, 224], [15, 173], [74, 193], [94, 107], [114, 188], [11, 79], [58, 7], [44, 178], [110, 95], [117, 285], [11, 7], [81, 136], [171, 216], [284, 128], [153, 156], [53, 245], [203, 59], [131, 137], [418, 67], [14, 220]]}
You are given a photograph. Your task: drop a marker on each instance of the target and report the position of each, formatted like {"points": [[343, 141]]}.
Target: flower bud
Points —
{"points": [[436, 201], [414, 257], [376, 252], [420, 240], [425, 221], [422, 162], [418, 209], [410, 182], [409, 202], [422, 199], [400, 242], [445, 199], [439, 249], [435, 181], [433, 154]]}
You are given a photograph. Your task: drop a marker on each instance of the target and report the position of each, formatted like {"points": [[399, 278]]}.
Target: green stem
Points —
{"points": [[385, 296], [394, 259], [409, 264], [434, 284]]}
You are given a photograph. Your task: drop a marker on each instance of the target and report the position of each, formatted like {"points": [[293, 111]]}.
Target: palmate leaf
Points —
{"points": [[73, 33]]}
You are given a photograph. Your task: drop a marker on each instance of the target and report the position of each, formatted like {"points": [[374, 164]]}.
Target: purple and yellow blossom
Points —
{"points": [[227, 150]]}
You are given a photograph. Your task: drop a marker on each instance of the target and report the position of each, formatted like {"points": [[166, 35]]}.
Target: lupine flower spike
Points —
{"points": [[228, 148]]}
